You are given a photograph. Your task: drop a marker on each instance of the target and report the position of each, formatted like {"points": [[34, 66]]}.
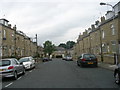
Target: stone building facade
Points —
{"points": [[14, 43], [102, 39]]}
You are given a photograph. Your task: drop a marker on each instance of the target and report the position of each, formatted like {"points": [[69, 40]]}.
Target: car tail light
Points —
{"points": [[83, 59], [11, 67]]}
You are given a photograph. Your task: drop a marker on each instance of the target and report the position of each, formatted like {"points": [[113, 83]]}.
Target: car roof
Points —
{"points": [[26, 57], [88, 53], [8, 58]]}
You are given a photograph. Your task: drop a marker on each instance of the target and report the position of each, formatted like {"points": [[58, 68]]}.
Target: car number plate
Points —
{"points": [[90, 62]]}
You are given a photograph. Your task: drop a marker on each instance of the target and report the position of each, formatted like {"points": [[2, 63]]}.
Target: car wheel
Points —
{"points": [[78, 64], [34, 66], [117, 78], [31, 66], [23, 71], [81, 65], [15, 75], [96, 65]]}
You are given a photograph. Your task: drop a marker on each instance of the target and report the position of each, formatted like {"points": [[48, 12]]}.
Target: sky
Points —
{"points": [[56, 20]]}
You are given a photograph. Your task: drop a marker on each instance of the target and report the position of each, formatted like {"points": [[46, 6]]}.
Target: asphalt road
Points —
{"points": [[63, 74]]}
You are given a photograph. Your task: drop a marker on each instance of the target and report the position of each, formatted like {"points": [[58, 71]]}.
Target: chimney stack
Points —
{"points": [[102, 19], [97, 23], [93, 27], [15, 28], [9, 25]]}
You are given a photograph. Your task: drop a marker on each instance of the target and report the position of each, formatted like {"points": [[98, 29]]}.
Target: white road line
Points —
{"points": [[19, 78], [9, 84]]}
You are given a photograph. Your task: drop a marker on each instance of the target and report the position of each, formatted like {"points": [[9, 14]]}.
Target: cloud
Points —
{"points": [[55, 20]]}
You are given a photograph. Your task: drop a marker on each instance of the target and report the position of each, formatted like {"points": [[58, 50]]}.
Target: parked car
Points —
{"points": [[68, 58], [28, 62], [117, 74], [64, 58], [46, 59], [87, 59], [11, 68]]}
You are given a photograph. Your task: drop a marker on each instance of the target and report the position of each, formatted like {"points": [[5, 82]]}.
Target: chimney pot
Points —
{"points": [[9, 25], [102, 19], [15, 28]]}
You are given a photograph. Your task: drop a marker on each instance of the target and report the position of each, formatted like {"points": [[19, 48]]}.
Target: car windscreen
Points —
{"points": [[24, 60], [5, 62], [88, 56]]}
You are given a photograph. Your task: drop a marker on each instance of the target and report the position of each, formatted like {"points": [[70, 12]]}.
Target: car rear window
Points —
{"points": [[87, 56], [5, 62]]}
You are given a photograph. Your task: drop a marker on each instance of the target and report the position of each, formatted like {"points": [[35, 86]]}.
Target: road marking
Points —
{"points": [[19, 78], [9, 84]]}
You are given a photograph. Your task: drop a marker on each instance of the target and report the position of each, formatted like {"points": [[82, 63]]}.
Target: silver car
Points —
{"points": [[11, 68], [28, 62]]}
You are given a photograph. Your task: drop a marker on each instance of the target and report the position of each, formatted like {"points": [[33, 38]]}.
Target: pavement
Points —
{"points": [[107, 66]]}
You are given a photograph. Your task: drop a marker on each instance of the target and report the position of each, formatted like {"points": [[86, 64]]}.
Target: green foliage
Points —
{"points": [[48, 47], [68, 45], [62, 45]]}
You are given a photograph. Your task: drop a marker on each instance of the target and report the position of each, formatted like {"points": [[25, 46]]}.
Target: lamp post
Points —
{"points": [[37, 45], [110, 6], [106, 4], [113, 10]]}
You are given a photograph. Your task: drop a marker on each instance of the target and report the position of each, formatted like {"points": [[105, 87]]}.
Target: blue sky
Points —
{"points": [[54, 20]]}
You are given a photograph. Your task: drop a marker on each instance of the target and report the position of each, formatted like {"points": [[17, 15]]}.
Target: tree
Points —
{"points": [[68, 45], [48, 47], [62, 45]]}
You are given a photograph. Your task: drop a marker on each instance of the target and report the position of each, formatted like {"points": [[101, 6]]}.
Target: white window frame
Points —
{"points": [[104, 48], [4, 33], [113, 29], [114, 46], [103, 34]]}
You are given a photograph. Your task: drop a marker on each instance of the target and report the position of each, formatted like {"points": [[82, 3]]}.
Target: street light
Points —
{"points": [[106, 4], [113, 10], [110, 6]]}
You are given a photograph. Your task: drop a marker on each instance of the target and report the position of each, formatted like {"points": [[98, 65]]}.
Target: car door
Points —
{"points": [[33, 62], [19, 66], [16, 66]]}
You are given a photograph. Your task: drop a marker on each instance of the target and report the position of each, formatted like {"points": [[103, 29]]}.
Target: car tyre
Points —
{"points": [[96, 65], [78, 64], [23, 71], [15, 75], [31, 66], [34, 66], [81, 65], [117, 78]]}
